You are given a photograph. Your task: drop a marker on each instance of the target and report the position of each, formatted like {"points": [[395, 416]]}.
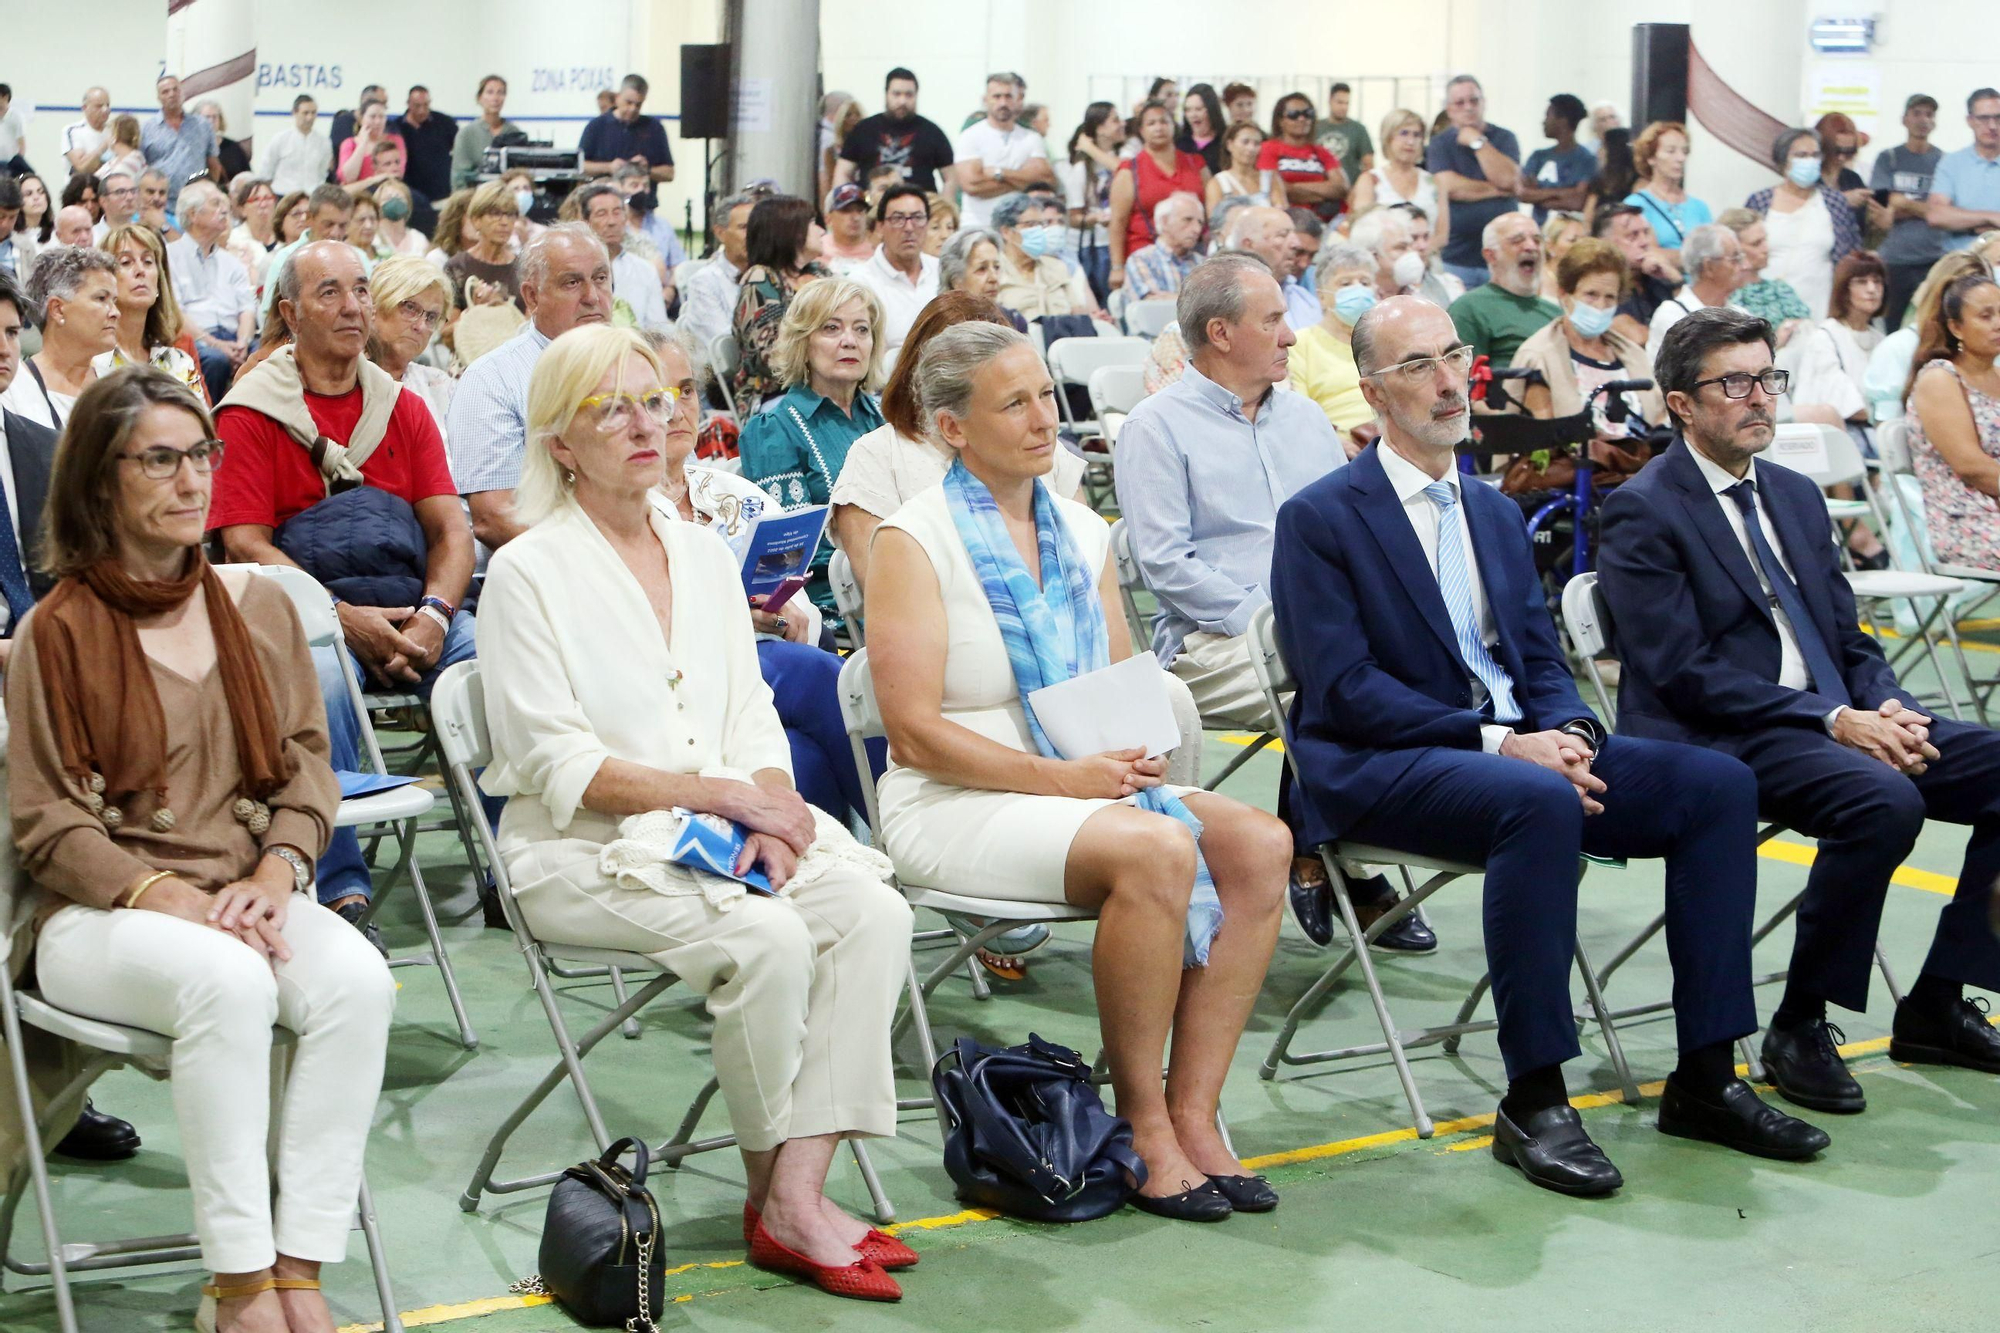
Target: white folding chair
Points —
{"points": [[397, 813], [1148, 319], [458, 707], [1114, 392], [1831, 458], [1587, 622], [846, 592], [1276, 680], [108, 1046], [724, 357], [1074, 360]]}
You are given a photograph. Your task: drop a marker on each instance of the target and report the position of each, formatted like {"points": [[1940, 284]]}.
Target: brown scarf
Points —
{"points": [[102, 701]]}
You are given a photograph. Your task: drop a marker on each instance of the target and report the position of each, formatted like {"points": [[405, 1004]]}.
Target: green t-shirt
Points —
{"points": [[1496, 322], [1348, 140]]}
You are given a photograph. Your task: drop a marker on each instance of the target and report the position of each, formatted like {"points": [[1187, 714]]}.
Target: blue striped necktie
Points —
{"points": [[13, 575], [1455, 582]]}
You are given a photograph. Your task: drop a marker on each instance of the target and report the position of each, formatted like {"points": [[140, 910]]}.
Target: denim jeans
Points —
{"points": [[342, 872], [1097, 269], [216, 368], [1472, 275]]}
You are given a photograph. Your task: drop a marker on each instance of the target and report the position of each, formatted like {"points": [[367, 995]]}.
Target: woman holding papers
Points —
{"points": [[829, 357], [985, 588], [621, 679]]}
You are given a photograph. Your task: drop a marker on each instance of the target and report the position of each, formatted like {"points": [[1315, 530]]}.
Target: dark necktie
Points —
{"points": [[13, 576], [1819, 662]]}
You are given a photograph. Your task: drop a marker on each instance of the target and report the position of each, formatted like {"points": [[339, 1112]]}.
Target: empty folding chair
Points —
{"points": [[1275, 679], [846, 592], [1073, 360], [1148, 319], [458, 709], [724, 357]]}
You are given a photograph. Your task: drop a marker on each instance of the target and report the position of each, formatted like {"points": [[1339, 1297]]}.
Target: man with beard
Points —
{"points": [[1739, 633], [1508, 309], [1436, 714], [897, 137]]}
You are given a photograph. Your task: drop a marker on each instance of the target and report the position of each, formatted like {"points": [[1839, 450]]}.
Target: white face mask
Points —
{"points": [[1408, 269]]}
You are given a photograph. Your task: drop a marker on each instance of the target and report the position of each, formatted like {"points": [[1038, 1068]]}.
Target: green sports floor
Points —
{"points": [[1890, 1230]]}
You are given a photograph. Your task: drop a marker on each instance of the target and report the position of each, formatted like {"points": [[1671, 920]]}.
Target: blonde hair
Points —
{"points": [[565, 374], [1395, 120], [163, 317], [403, 278], [812, 306], [491, 198]]}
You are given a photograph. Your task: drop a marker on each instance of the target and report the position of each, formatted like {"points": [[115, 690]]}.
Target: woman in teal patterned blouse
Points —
{"points": [[1773, 299], [828, 355]]}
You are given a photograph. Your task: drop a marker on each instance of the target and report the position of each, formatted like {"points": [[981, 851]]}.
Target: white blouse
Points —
{"points": [[576, 670], [1833, 366], [885, 469]]}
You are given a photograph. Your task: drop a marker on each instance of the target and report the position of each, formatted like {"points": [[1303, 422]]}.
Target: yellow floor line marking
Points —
{"points": [[442, 1314]]}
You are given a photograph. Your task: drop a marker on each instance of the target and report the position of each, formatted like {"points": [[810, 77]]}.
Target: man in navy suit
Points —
{"points": [[1436, 713], [1769, 665]]}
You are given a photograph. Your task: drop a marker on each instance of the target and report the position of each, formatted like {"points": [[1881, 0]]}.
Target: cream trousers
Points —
{"points": [[218, 1000], [802, 987], [1216, 670]]}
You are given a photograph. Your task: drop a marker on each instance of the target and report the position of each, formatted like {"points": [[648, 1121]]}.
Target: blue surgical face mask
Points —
{"points": [[524, 200], [394, 209], [1803, 171], [1351, 302], [1038, 241], [1591, 321]]}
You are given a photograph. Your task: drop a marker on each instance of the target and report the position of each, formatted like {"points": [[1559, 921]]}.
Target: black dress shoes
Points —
{"points": [[1804, 1066], [1312, 908], [97, 1137], [1410, 935], [1735, 1117], [352, 913], [1960, 1035], [1200, 1203], [1246, 1194], [1553, 1150]]}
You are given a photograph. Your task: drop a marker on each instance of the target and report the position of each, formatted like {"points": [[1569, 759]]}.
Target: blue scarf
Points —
{"points": [[1054, 632]]}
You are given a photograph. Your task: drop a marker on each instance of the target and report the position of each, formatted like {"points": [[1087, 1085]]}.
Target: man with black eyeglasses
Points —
{"points": [[901, 275], [1737, 630], [1965, 193]]}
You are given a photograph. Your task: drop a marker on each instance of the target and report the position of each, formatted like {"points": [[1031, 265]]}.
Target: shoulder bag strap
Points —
{"points": [[1666, 217], [43, 385]]}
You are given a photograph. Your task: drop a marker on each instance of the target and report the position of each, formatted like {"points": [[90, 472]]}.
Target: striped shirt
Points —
{"points": [[488, 426]]}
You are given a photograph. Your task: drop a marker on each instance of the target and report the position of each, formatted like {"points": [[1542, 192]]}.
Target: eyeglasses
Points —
{"points": [[906, 219], [416, 314], [161, 461], [1458, 361], [609, 413], [1775, 382]]}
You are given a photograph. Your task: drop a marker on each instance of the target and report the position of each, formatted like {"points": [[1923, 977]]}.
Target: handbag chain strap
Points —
{"points": [[643, 1321]]}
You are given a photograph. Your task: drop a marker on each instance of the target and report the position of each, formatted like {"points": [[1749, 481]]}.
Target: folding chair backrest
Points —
{"points": [[1274, 678], [723, 354], [1587, 621], [310, 599], [1827, 454], [863, 721], [458, 710], [1892, 446], [846, 591], [1071, 360], [1149, 319], [1116, 389], [1121, 554]]}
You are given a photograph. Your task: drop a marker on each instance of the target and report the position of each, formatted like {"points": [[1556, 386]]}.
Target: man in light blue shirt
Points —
{"points": [[1965, 194], [179, 145]]}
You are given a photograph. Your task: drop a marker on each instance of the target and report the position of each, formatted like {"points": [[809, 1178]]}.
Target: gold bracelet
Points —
{"points": [[132, 898]]}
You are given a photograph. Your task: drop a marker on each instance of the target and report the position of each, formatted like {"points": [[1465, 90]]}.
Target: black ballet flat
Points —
{"points": [[1202, 1203], [1246, 1194]]}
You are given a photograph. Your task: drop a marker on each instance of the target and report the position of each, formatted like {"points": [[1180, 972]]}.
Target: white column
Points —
{"points": [[212, 46], [776, 126]]}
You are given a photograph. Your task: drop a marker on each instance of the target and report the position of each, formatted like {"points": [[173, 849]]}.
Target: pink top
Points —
{"points": [[348, 146]]}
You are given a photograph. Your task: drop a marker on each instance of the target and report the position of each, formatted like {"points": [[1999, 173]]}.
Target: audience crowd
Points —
{"points": [[532, 432]]}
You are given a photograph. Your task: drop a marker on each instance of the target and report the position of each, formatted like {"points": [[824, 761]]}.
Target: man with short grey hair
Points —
{"points": [[212, 286], [179, 145], [708, 307], [1712, 258], [1156, 271]]}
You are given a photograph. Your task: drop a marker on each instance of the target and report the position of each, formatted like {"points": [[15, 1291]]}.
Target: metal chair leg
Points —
{"points": [[885, 1211], [1607, 1025], [378, 1260], [1389, 1034], [31, 1134]]}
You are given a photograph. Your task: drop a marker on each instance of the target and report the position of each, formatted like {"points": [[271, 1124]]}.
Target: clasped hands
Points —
{"points": [[1562, 753], [1898, 736], [396, 644], [777, 821]]}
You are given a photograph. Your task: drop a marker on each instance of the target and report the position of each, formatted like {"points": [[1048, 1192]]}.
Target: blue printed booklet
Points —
{"points": [[712, 843], [780, 547], [356, 785]]}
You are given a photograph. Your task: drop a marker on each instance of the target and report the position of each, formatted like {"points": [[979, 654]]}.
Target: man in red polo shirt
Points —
{"points": [[278, 423]]}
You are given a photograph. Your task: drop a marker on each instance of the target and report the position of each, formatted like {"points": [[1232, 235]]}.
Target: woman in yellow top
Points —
{"points": [[1322, 360]]}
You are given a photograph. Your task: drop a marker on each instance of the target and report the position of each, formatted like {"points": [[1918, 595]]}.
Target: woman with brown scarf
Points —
{"points": [[170, 795]]}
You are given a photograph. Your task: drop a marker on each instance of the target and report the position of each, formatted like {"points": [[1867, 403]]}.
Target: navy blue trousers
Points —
{"points": [[804, 681]]}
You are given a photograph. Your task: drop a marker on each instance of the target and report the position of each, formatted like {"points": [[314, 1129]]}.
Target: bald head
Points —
{"points": [[73, 226], [1264, 232], [1413, 367], [325, 292]]}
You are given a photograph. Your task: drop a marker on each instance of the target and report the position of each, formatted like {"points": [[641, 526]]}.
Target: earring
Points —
{"points": [[569, 478]]}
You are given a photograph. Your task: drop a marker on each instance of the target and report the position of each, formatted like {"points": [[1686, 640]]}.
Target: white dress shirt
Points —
{"points": [[1408, 481], [1792, 673], [902, 300], [78, 134], [292, 161], [212, 285], [637, 284], [708, 302], [1671, 312]]}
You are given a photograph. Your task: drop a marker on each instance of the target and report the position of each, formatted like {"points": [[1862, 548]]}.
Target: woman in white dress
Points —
{"points": [[603, 603], [1833, 363], [984, 587], [1398, 176], [1810, 227]]}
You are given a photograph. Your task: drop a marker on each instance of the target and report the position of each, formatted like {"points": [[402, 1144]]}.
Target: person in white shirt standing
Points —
{"points": [[212, 286], [901, 275], [13, 129], [999, 156], [294, 158], [635, 284], [87, 142]]}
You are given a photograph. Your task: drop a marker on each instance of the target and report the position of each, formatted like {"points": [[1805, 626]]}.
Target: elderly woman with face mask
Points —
{"points": [[1033, 278], [1809, 226], [1321, 362], [1580, 351]]}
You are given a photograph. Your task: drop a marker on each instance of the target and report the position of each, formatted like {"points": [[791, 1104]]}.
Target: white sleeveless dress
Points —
{"points": [[992, 844], [1425, 196]]}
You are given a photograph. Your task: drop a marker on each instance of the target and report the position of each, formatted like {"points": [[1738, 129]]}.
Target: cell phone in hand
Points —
{"points": [[774, 601]]}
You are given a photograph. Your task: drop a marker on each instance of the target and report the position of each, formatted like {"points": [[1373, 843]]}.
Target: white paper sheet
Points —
{"points": [[1113, 709]]}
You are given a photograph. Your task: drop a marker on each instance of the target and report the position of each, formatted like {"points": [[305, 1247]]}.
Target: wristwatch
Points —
{"points": [[302, 871], [1478, 142]]}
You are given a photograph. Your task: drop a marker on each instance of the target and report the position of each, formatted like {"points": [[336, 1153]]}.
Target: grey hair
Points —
{"points": [[1694, 335], [1489, 237], [1214, 290], [532, 268], [104, 181], [741, 199], [1701, 245], [59, 272], [196, 194], [1241, 219], [1007, 213], [1008, 76], [951, 361], [1781, 147], [1165, 206], [154, 174], [1457, 79], [680, 340], [956, 256], [285, 282], [1340, 255], [1224, 217], [219, 115], [1377, 228]]}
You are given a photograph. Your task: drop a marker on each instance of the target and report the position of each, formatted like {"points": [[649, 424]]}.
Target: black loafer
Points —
{"points": [[1805, 1067], [1373, 899], [1736, 1117], [97, 1137], [352, 914], [1554, 1151], [1200, 1203], [1959, 1036], [1312, 907], [1246, 1194]]}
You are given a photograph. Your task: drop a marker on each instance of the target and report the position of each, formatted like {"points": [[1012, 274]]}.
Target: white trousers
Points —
{"points": [[1216, 669], [218, 1000], [802, 988]]}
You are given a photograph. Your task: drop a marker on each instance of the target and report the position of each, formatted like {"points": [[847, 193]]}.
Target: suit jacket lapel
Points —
{"points": [[1382, 515], [1704, 507], [1796, 538], [30, 450]]}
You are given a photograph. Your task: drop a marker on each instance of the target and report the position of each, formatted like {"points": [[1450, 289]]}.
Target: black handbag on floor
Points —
{"points": [[1026, 1134], [600, 1245]]}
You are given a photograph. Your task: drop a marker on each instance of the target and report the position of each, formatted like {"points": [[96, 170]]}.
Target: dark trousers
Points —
{"points": [[804, 683], [1867, 817], [1525, 824], [1904, 279], [216, 368]]}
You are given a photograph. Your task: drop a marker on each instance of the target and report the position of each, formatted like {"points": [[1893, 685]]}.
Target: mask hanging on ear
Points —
{"points": [[1408, 270]]}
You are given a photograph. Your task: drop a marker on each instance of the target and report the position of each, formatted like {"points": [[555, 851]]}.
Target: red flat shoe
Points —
{"points": [[862, 1280], [884, 1249]]}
